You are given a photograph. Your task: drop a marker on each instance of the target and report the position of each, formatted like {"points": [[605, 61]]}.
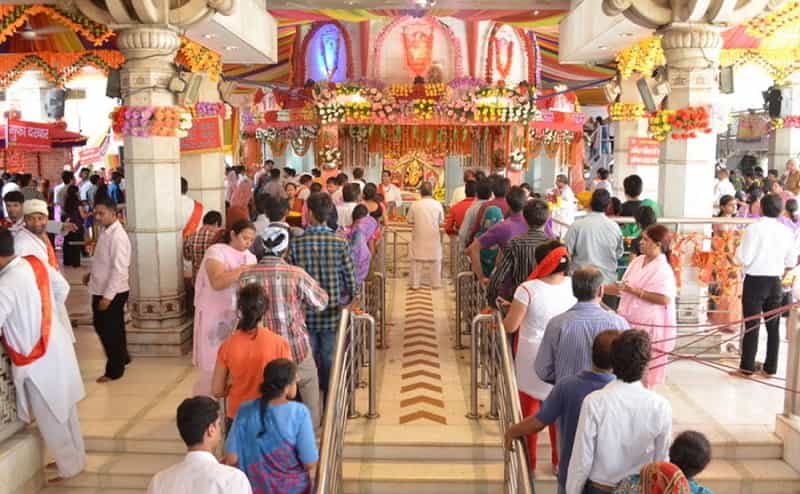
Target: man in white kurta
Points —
{"points": [[426, 217], [45, 370], [30, 239]]}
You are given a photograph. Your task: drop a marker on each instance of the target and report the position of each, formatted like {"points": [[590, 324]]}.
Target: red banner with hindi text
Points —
{"points": [[30, 136]]}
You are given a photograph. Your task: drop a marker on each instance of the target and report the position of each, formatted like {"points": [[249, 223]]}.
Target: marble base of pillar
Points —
{"points": [[160, 342]]}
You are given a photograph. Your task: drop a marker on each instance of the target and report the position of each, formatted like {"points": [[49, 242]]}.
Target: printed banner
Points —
{"points": [[28, 135], [643, 151], [205, 136], [95, 154]]}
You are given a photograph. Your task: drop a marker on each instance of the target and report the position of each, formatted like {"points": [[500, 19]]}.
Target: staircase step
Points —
{"points": [[427, 477], [121, 471]]}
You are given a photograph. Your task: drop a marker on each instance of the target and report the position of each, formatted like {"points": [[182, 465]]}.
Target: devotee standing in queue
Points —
{"points": [[519, 256], [200, 427], [196, 245], [13, 203], [360, 235], [455, 217], [499, 234], [108, 286], [45, 369], [274, 187], [272, 439], [723, 186], [115, 189], [547, 293], [425, 217], [244, 354], [633, 186], [391, 194], [596, 241], [566, 347], [500, 187], [483, 192], [766, 253], [290, 290], [241, 196], [792, 177], [344, 211], [623, 426], [460, 192], [566, 205], [563, 404], [326, 257], [215, 298], [647, 298]]}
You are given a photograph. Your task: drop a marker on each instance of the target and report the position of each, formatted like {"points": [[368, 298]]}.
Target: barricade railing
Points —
{"points": [[355, 348], [375, 304], [392, 234], [470, 299], [491, 354]]}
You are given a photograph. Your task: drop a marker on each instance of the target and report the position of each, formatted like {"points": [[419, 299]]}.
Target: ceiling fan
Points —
{"points": [[31, 34]]}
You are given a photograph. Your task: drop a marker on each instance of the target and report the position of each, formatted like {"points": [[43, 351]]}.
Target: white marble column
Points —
{"points": [[205, 172], [152, 168], [623, 131], [784, 144], [687, 165]]}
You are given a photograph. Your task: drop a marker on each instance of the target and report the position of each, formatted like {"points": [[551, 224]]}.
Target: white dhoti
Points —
{"points": [[417, 265], [425, 248], [63, 439]]}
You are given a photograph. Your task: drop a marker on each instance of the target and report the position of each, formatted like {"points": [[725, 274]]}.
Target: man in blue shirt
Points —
{"points": [[564, 403], [115, 189]]}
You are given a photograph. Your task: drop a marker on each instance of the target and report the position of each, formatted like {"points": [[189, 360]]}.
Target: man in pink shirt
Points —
{"points": [[108, 286]]}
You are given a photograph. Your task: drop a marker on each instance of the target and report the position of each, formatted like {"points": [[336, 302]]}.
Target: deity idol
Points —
{"points": [[418, 44]]}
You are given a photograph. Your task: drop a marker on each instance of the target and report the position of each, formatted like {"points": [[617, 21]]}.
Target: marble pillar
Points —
{"points": [[205, 172], [623, 131], [784, 144], [152, 168], [686, 178]]}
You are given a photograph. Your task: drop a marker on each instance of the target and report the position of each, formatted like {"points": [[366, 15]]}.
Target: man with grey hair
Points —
{"points": [[791, 179], [566, 347], [425, 217]]}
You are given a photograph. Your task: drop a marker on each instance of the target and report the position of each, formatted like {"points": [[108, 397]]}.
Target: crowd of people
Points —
{"points": [[268, 291]]}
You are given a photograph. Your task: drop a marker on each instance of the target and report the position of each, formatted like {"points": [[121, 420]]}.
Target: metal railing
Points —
{"points": [[375, 304], [355, 348], [470, 299], [490, 354]]}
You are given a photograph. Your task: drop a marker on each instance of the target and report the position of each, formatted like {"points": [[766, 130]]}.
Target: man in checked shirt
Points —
{"points": [[289, 291]]}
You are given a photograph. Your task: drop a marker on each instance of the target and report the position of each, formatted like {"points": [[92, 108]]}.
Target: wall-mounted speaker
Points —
{"points": [[726, 80], [114, 84]]}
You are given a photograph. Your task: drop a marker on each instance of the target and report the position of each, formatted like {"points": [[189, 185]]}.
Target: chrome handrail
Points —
{"points": [[340, 403], [490, 351]]}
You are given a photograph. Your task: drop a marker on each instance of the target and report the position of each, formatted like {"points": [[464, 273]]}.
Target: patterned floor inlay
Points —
{"points": [[421, 379]]}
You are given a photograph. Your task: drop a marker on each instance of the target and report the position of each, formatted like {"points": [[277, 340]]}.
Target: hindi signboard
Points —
{"points": [[29, 136], [643, 151], [205, 136]]}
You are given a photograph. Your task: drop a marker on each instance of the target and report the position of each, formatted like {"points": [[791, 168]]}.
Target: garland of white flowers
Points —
{"points": [[516, 160], [330, 158]]}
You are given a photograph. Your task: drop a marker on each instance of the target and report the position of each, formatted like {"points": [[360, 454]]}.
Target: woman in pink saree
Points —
{"points": [[647, 298], [215, 298]]}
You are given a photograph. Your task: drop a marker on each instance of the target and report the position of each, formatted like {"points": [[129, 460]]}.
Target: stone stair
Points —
{"points": [[384, 461]]}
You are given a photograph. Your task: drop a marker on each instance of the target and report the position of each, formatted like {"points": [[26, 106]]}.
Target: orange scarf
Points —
{"points": [[549, 263], [43, 284], [194, 220]]}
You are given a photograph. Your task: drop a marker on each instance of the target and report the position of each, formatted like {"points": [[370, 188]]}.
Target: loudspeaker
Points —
{"points": [[611, 91], [726, 80], [54, 106], [773, 100], [113, 84], [646, 95], [191, 91]]}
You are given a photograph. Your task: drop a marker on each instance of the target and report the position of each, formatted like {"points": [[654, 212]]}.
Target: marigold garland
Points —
{"points": [[642, 57], [780, 65], [14, 17], [660, 124], [627, 111], [147, 121], [690, 121], [198, 58], [790, 122], [768, 24], [57, 68]]}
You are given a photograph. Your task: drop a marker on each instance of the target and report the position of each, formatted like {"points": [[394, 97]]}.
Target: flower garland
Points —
{"points": [[626, 111], [642, 57], [151, 121], [57, 68], [431, 90], [14, 17], [423, 108], [198, 58], [767, 25], [516, 160], [660, 124], [790, 122], [779, 64], [209, 109], [330, 157], [690, 121]]}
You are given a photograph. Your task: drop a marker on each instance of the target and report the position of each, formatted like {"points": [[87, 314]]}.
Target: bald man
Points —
{"points": [[564, 403], [792, 177]]}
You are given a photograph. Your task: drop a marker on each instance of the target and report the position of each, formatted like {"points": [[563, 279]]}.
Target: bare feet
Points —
{"points": [[103, 379], [55, 480], [51, 465], [740, 373]]}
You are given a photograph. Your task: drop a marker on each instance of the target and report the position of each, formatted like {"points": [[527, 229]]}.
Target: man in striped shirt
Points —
{"points": [[566, 347], [289, 291]]}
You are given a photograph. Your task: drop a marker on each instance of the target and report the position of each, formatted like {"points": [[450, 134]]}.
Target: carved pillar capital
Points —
{"points": [[147, 41], [691, 45]]}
